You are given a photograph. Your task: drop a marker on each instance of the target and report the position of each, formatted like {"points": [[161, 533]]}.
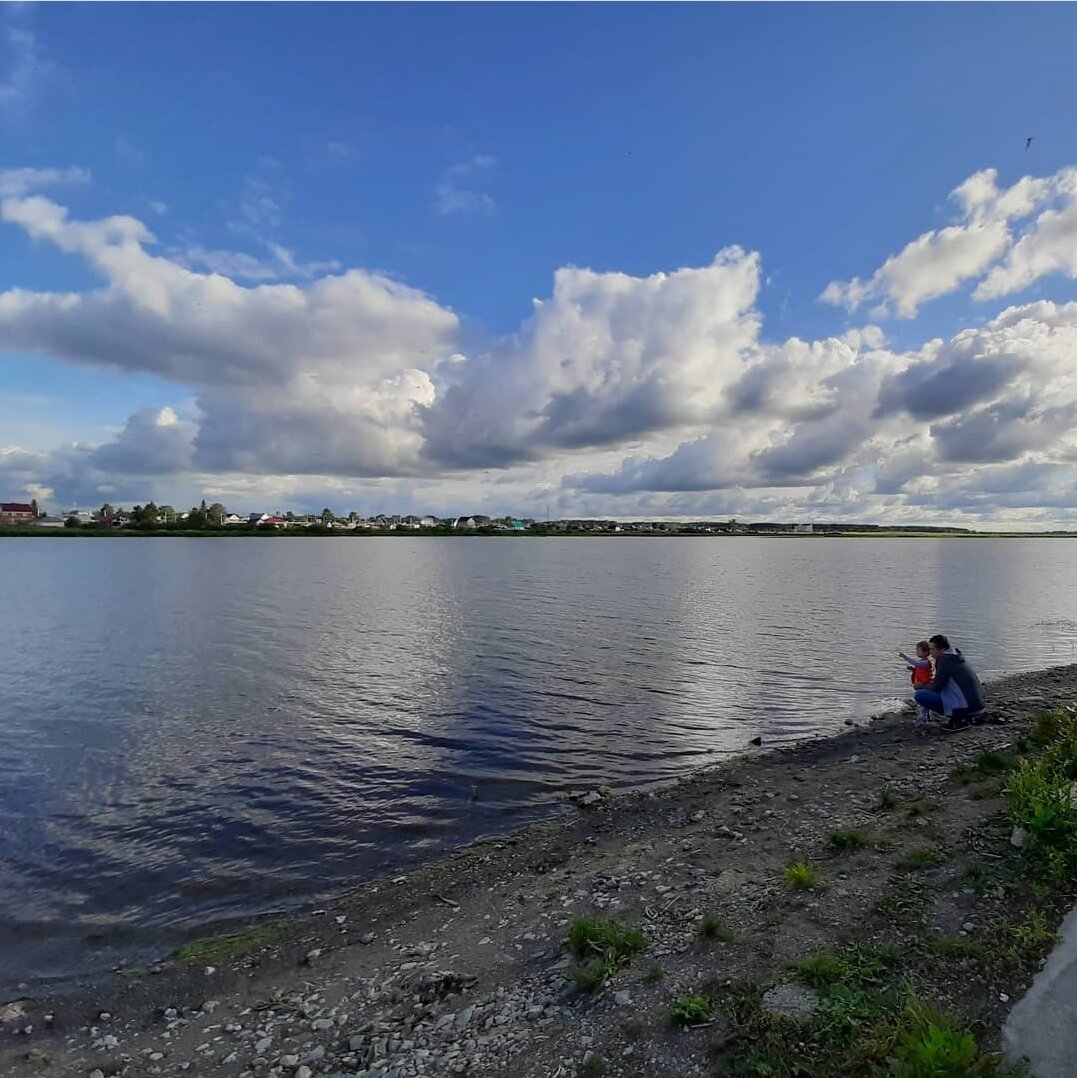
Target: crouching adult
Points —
{"points": [[955, 692]]}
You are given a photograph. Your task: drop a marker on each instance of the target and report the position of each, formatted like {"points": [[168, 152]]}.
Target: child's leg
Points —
{"points": [[922, 715]]}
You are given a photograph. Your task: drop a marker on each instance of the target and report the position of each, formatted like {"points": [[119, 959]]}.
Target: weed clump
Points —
{"points": [[232, 946], [957, 948], [856, 967], [801, 876], [866, 1025], [594, 1066], [604, 945], [930, 1047], [1042, 797], [691, 1010], [655, 975], [849, 840], [712, 930], [918, 860]]}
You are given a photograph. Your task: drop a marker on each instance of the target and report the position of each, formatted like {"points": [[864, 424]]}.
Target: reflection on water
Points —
{"points": [[196, 730]]}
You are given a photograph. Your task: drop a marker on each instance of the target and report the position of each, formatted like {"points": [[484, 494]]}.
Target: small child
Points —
{"points": [[921, 676]]}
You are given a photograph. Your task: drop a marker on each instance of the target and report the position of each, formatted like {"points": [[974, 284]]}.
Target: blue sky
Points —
{"points": [[469, 152]]}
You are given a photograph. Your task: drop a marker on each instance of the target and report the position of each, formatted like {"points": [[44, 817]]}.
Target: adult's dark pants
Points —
{"points": [[933, 702]]}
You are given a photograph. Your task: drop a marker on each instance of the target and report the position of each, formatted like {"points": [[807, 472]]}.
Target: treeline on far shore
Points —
{"points": [[180, 530]]}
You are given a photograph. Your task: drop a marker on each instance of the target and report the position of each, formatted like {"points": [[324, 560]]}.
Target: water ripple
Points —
{"points": [[199, 731]]}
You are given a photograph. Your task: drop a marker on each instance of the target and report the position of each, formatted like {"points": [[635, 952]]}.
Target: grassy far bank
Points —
{"points": [[320, 532]]}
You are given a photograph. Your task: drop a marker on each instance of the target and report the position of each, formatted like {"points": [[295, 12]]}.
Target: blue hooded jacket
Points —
{"points": [[951, 666]]}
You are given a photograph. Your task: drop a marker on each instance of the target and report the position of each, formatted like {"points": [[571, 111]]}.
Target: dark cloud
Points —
{"points": [[154, 442], [1001, 432], [946, 385]]}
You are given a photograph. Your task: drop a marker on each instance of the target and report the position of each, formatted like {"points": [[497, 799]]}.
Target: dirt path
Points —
{"points": [[461, 968]]}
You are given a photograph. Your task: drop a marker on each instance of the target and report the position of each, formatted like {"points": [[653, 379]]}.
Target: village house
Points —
{"points": [[16, 513], [84, 516]]}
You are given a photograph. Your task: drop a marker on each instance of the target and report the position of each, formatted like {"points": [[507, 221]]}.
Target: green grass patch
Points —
{"points": [[919, 860], [849, 840], [1020, 943], [712, 930], [856, 967], [904, 902], [869, 1030], [221, 949], [655, 975], [603, 945], [691, 1010], [986, 765], [931, 1046], [994, 763], [922, 806], [963, 773], [801, 876], [888, 801], [1041, 799], [594, 1066], [957, 948]]}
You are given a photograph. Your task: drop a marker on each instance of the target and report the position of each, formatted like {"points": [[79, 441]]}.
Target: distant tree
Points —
{"points": [[215, 514], [353, 516], [289, 515], [196, 518], [202, 507], [72, 521], [34, 509], [327, 516], [107, 510], [167, 514], [144, 516]]}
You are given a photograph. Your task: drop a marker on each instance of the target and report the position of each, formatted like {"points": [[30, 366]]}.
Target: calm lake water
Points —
{"points": [[193, 731]]}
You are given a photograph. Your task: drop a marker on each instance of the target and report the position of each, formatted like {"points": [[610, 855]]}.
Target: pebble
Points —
{"points": [[263, 1045], [968, 926], [304, 1072], [622, 999]]}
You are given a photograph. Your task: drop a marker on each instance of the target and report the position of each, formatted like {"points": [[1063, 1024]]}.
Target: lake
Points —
{"points": [[196, 730]]}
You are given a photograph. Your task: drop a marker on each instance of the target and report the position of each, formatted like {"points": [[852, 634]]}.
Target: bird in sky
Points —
{"points": [[1028, 141]]}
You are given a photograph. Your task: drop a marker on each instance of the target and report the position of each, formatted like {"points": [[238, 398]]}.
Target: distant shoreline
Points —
{"points": [[453, 533]]}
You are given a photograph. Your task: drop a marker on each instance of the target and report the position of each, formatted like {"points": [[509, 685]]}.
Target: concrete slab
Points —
{"points": [[1042, 1028]]}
